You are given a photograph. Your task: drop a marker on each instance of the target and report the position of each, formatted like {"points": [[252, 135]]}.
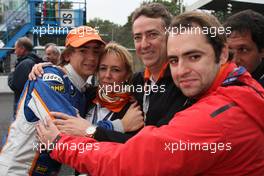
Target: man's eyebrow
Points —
{"points": [[148, 31], [152, 30], [240, 45], [194, 51], [172, 56], [136, 34]]}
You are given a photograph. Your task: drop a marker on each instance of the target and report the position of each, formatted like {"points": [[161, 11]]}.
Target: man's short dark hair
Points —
{"points": [[191, 19], [248, 21], [25, 43], [153, 10]]}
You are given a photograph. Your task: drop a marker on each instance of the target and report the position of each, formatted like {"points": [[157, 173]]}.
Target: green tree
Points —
{"points": [[172, 6], [107, 29], [222, 15], [124, 35]]}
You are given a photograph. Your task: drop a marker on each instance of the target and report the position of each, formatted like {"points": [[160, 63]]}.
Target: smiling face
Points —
{"points": [[193, 63], [112, 70], [245, 50], [150, 41], [84, 59]]}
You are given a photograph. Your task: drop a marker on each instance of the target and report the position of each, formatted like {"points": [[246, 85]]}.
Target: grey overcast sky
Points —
{"points": [[116, 11]]}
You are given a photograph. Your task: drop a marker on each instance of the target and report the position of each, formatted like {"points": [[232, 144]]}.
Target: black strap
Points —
{"points": [[53, 144], [222, 109]]}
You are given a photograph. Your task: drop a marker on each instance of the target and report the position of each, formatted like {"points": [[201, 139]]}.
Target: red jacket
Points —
{"points": [[231, 118]]}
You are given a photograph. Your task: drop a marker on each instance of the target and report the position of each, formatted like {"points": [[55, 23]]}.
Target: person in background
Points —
{"points": [[26, 59], [52, 53], [246, 41], [1, 67]]}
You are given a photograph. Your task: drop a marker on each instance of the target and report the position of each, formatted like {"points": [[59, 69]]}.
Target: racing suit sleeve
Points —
{"points": [[49, 93]]}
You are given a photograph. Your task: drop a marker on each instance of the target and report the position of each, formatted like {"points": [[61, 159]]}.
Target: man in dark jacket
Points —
{"points": [[246, 42], [25, 61]]}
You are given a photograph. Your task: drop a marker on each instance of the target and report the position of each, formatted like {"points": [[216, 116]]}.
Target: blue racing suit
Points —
{"points": [[52, 92]]}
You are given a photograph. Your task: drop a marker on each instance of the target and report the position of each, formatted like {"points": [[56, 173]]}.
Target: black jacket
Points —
{"points": [[162, 107], [18, 78], [258, 74]]}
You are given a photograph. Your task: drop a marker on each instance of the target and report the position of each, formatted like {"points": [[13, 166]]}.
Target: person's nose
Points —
{"points": [[183, 68], [108, 74], [145, 42], [236, 56]]}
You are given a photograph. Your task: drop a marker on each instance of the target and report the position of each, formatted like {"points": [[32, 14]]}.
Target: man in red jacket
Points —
{"points": [[221, 134]]}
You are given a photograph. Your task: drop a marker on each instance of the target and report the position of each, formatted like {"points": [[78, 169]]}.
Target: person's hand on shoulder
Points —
{"points": [[37, 70]]}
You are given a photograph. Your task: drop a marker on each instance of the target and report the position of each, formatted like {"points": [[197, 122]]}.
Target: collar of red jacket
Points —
{"points": [[147, 73], [224, 71]]}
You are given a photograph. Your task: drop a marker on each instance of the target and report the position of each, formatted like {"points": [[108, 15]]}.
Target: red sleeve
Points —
{"points": [[152, 152]]}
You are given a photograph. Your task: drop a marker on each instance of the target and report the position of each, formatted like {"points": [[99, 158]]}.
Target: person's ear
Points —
{"points": [[224, 55]]}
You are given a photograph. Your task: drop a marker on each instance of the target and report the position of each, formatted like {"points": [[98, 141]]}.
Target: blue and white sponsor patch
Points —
{"points": [[52, 77], [234, 76]]}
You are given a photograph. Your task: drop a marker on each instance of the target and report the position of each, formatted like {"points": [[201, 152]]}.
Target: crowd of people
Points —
{"points": [[197, 108]]}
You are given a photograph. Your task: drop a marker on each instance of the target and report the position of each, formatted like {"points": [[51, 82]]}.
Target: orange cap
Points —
{"points": [[81, 35]]}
